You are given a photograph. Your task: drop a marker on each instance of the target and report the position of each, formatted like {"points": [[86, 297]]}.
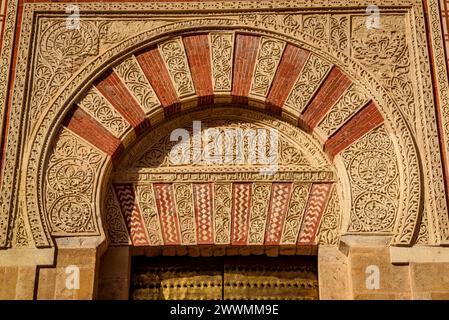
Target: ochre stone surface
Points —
{"points": [[115, 274], [362, 115], [52, 281], [430, 280], [394, 280]]}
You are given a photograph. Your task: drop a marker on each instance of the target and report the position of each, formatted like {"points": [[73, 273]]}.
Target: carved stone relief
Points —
{"points": [[175, 58], [270, 53], [99, 108], [298, 25], [310, 79], [133, 77], [375, 188], [351, 101], [385, 52], [330, 226], [222, 53], [263, 210], [72, 171]]}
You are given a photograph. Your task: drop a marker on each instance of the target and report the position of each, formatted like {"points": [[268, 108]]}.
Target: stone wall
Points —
{"points": [[368, 125]]}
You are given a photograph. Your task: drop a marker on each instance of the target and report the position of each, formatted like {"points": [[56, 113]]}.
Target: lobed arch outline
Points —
{"points": [[410, 211]]}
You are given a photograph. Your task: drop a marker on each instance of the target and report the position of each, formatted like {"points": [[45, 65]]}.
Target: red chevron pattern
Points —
{"points": [[204, 213], [241, 207], [280, 197], [165, 201], [131, 212], [316, 204]]}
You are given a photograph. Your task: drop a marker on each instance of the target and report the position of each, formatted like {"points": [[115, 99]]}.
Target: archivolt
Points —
{"points": [[75, 109]]}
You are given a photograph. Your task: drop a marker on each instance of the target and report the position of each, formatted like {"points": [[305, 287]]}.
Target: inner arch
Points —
{"points": [[214, 200]]}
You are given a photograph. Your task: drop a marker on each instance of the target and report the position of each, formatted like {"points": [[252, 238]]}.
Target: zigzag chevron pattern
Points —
{"points": [[280, 197], [167, 212], [204, 213], [316, 204], [293, 213], [131, 212], [241, 208]]}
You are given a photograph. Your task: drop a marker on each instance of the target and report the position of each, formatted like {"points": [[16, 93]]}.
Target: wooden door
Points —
{"points": [[229, 278]]}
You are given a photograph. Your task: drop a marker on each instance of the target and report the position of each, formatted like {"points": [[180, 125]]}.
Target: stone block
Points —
{"points": [[333, 274], [26, 281], [113, 289], [46, 284], [393, 279], [8, 281], [78, 257], [430, 277]]}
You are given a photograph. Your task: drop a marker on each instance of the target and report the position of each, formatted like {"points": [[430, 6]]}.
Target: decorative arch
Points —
{"points": [[150, 78], [169, 202]]}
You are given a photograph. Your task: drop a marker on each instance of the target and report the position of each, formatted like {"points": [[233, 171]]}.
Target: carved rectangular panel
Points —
{"points": [[222, 53], [69, 188], [132, 75], [444, 7], [280, 197], [204, 212], [116, 228], [186, 214], [131, 211], [259, 211], [165, 201], [316, 204], [371, 164], [174, 56], [147, 204], [245, 174], [100, 109], [222, 207], [310, 79], [269, 55], [118, 95], [351, 101], [331, 222], [295, 213], [326, 97], [241, 208]]}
